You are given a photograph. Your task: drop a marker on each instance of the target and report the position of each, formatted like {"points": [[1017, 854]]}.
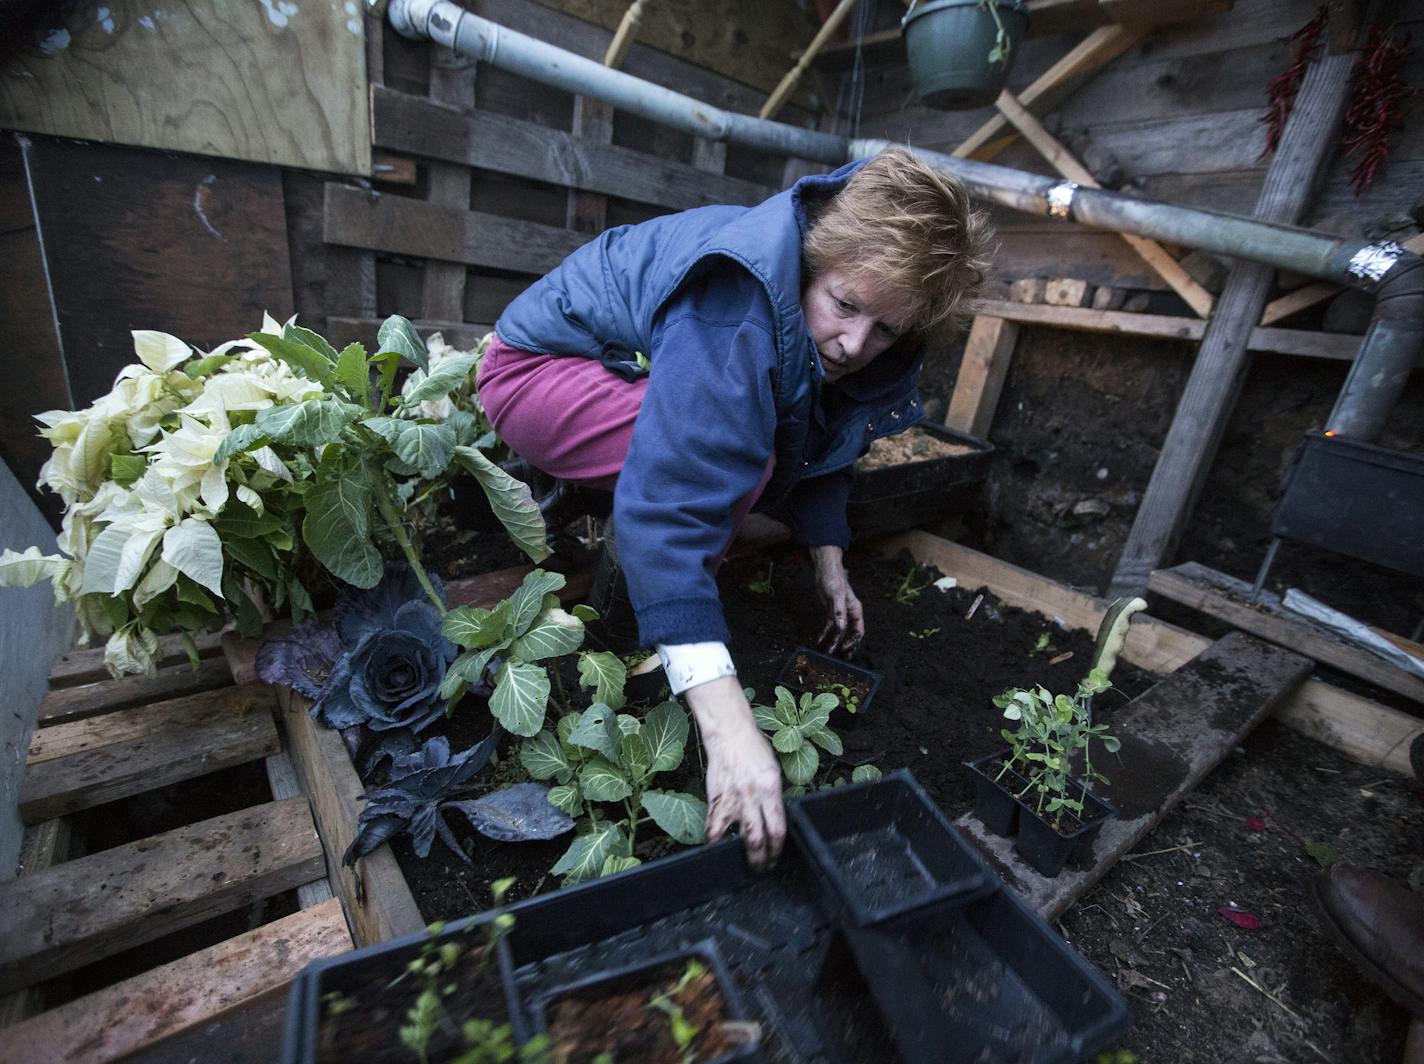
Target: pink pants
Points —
{"points": [[569, 416]]}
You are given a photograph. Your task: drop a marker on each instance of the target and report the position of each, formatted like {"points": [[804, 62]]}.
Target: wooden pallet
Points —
{"points": [[100, 740]]}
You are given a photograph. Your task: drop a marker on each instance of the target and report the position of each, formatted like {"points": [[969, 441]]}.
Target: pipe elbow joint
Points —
{"points": [[411, 18]]}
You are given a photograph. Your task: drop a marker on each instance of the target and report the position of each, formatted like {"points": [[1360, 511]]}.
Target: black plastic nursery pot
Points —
{"points": [[913, 494], [810, 670], [885, 849], [802, 967], [340, 1010], [994, 790], [1048, 850], [640, 976]]}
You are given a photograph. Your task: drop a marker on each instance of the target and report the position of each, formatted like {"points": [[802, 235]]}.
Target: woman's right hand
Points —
{"points": [[743, 776]]}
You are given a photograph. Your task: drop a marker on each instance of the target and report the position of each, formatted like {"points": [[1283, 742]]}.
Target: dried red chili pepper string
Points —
{"points": [[1376, 109], [1282, 90]]}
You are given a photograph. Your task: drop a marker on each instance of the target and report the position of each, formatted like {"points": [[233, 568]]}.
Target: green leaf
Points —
{"points": [[800, 767], [597, 730], [398, 334], [665, 733], [511, 501], [206, 366], [605, 673], [543, 757], [1324, 854], [353, 373], [240, 521], [253, 554], [629, 724], [474, 627], [464, 425], [301, 600], [568, 797], [426, 447], [766, 718], [788, 740], [633, 756], [528, 598], [310, 339], [465, 671], [312, 423], [124, 469], [243, 438], [602, 781], [307, 362], [585, 613], [520, 694], [679, 815], [584, 858], [615, 863], [553, 633], [1111, 743], [337, 529], [441, 381], [864, 774], [785, 709], [387, 363], [826, 739]]}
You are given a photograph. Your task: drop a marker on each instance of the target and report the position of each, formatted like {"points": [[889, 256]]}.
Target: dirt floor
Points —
{"points": [[1249, 838]]}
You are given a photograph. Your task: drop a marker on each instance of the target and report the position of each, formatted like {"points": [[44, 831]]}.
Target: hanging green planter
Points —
{"points": [[960, 50]]}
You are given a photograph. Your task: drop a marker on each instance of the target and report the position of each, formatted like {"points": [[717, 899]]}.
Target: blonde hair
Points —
{"points": [[910, 230]]}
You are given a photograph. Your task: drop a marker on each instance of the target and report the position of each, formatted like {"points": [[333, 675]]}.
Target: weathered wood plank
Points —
{"points": [[374, 894], [44, 846], [152, 747], [356, 218], [1339, 346], [187, 85], [1172, 736], [87, 909], [282, 778], [87, 665], [526, 149], [593, 123], [987, 354], [163, 1002], [1359, 728], [106, 696], [452, 82], [1227, 598], [130, 1015]]}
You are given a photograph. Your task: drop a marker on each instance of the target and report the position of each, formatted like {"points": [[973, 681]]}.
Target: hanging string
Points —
{"points": [[851, 100]]}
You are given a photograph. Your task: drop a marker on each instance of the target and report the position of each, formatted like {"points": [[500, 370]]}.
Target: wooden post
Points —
{"points": [[1062, 160], [623, 38], [442, 291], [779, 95], [1216, 378], [987, 354]]}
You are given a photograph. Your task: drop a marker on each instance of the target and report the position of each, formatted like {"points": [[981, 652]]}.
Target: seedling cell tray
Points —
{"points": [[820, 994], [1046, 850], [885, 849], [914, 494], [994, 803], [810, 670]]}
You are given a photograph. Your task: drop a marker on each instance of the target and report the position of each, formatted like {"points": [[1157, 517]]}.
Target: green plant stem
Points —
{"points": [[385, 503]]}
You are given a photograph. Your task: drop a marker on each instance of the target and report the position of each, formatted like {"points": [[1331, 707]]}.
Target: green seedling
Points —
{"points": [[924, 633], [683, 1032], [797, 729], [908, 590], [762, 585]]}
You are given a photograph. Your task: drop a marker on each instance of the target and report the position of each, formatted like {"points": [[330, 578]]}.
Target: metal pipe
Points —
{"points": [[480, 39], [1387, 356]]}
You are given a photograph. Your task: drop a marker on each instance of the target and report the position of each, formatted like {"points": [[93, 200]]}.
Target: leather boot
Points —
{"points": [[1378, 924]]}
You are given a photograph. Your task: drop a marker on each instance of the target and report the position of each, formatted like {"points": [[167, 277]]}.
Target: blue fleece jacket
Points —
{"points": [[711, 296]]}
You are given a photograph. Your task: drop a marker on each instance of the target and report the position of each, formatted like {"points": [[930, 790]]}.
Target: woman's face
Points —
{"points": [[850, 320]]}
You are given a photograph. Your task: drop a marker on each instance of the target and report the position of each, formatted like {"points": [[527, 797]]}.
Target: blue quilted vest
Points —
{"points": [[603, 300]]}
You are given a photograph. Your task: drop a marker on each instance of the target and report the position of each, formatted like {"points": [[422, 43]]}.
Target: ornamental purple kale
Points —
{"points": [[427, 782]]}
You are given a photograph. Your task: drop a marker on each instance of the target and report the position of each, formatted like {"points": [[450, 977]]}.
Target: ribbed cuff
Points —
{"points": [[690, 620]]}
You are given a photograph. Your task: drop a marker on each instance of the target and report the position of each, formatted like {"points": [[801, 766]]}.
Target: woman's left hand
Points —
{"points": [[845, 620]]}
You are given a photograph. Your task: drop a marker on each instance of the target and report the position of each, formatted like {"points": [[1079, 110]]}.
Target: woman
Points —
{"points": [[726, 356]]}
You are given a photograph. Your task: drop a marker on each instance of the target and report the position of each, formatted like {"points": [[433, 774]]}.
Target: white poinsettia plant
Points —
{"points": [[208, 487]]}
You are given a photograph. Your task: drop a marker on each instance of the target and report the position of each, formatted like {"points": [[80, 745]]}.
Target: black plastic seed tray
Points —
{"points": [[885, 849], [917, 493], [993, 982], [796, 678]]}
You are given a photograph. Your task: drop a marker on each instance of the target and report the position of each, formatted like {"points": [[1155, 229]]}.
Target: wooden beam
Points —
{"points": [[140, 1011], [987, 354], [106, 696], [86, 665], [1228, 599], [285, 783], [508, 145], [787, 84], [1339, 346], [1363, 730], [1062, 160], [1219, 371], [452, 82], [84, 910], [1172, 736], [1053, 86], [89, 762]]}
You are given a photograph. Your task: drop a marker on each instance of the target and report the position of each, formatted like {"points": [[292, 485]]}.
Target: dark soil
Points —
{"points": [[1152, 923]]}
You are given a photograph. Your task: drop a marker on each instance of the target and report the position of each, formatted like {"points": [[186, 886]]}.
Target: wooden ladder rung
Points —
{"points": [[88, 762], [73, 914], [87, 665], [147, 1008], [106, 696]]}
